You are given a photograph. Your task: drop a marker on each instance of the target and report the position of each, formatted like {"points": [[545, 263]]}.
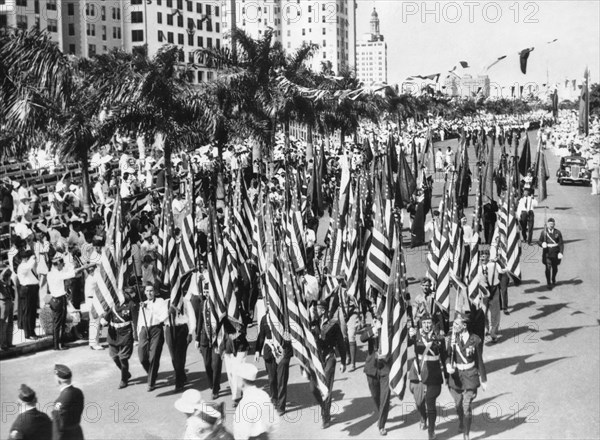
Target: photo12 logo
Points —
{"points": [[470, 11]]}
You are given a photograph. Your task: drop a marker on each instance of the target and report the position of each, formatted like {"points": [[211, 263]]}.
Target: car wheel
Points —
{"points": [[560, 182]]}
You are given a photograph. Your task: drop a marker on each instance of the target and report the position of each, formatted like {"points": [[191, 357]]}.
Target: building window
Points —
{"points": [[190, 39], [209, 43], [310, 19], [70, 9], [116, 13], [22, 3], [218, 43], [91, 30], [208, 10], [199, 24], [71, 29], [90, 10], [180, 20], [169, 3], [190, 23], [200, 76], [209, 76], [324, 43], [137, 17], [303, 31], [137, 35], [169, 19], [159, 17], [159, 2], [324, 31], [22, 21], [103, 12], [179, 4], [91, 50], [324, 55], [117, 33], [136, 2], [161, 36], [51, 5], [72, 49], [217, 11], [309, 8], [191, 57], [170, 38], [52, 26], [217, 27], [190, 6], [180, 39], [200, 42], [199, 8], [181, 57]]}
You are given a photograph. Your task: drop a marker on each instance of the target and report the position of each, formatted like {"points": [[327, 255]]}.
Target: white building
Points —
{"points": [[371, 55]]}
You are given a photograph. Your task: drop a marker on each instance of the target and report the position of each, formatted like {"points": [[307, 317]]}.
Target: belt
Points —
{"points": [[465, 366], [120, 325], [552, 245], [428, 357]]}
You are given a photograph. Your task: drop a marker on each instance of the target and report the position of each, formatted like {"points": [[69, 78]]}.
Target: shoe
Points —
{"points": [[461, 428], [326, 424], [128, 375], [151, 388], [494, 339], [215, 396], [423, 426], [281, 412], [96, 347], [432, 436], [382, 431], [506, 312], [122, 384], [179, 388]]}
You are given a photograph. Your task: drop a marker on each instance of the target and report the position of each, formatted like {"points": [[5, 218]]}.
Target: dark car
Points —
{"points": [[573, 169]]}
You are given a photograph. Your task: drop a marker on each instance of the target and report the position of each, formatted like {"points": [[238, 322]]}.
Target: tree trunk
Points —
{"points": [[309, 142], [85, 182]]}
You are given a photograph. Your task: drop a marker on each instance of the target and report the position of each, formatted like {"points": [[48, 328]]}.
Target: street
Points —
{"points": [[543, 375]]}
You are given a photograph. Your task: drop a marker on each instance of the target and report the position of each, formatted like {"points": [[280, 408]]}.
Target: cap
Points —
{"points": [[247, 371], [189, 401], [425, 281], [425, 316], [26, 394], [62, 371], [551, 220]]}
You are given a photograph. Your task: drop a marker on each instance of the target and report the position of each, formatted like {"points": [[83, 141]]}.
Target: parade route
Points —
{"points": [[543, 374]]}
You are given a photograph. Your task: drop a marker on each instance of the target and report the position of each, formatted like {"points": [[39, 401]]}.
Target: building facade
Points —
{"points": [[371, 55], [329, 24], [89, 27]]}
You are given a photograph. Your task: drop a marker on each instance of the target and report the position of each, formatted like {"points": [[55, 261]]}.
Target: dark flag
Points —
{"points": [[488, 178], [525, 159], [495, 62], [584, 117], [464, 64], [555, 104], [523, 57], [406, 181], [367, 150], [392, 155], [417, 229], [542, 177]]}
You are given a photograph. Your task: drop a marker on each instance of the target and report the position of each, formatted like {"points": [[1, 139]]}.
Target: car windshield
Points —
{"points": [[574, 162]]}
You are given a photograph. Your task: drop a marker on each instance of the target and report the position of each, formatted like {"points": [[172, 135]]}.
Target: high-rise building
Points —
{"points": [[89, 27], [371, 55], [329, 24]]}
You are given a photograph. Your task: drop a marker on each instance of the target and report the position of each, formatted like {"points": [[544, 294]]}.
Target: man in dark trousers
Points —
{"points": [[68, 408], [277, 363], [30, 424], [377, 369], [120, 335], [153, 314], [7, 297], [525, 208], [205, 341], [427, 371], [466, 371], [328, 336], [551, 241], [489, 220], [179, 332]]}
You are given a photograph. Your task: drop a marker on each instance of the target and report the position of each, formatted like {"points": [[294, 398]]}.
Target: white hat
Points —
{"points": [[189, 401], [247, 371]]}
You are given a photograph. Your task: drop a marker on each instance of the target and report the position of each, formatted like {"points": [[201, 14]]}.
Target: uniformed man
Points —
{"points": [[377, 369], [328, 336], [551, 241], [427, 371], [466, 371], [179, 333], [277, 363], [68, 407], [425, 303], [30, 424], [205, 341], [120, 335], [153, 314]]}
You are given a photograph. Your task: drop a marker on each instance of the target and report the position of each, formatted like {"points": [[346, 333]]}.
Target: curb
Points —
{"points": [[42, 344]]}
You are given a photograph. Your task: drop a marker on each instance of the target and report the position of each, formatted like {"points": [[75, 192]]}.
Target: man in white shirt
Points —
{"points": [[490, 273], [468, 238], [153, 314], [526, 215], [28, 294], [255, 416], [179, 332], [91, 286]]}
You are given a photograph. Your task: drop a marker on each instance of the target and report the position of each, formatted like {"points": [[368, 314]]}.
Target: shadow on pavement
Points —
{"points": [[560, 332], [526, 282], [548, 309], [358, 408], [521, 306], [571, 282]]}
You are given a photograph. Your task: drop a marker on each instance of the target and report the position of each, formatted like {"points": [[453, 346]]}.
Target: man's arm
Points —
{"points": [[561, 245]]}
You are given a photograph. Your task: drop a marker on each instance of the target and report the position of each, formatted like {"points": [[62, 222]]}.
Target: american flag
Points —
{"points": [[397, 316], [187, 247], [294, 227], [241, 231], [472, 276], [216, 295], [351, 267], [136, 203], [109, 293], [171, 281], [442, 293], [509, 245]]}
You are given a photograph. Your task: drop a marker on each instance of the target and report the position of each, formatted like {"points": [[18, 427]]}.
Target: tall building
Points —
{"points": [[89, 27], [467, 85], [371, 55], [329, 24]]}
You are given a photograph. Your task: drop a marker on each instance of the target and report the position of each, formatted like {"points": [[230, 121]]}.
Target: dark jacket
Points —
{"points": [[67, 414], [264, 333], [203, 323], [432, 370], [329, 337], [121, 315], [551, 239], [32, 425], [374, 366], [466, 354]]}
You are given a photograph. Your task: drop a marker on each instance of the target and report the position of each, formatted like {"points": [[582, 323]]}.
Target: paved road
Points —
{"points": [[543, 374]]}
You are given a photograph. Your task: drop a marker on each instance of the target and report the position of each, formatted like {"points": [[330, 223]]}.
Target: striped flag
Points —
{"points": [[216, 295], [187, 254], [136, 203], [171, 281], [241, 232], [294, 228], [398, 329], [109, 294], [509, 236], [274, 299], [351, 266], [442, 293]]}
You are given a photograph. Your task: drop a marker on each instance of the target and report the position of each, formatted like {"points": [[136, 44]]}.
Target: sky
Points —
{"points": [[429, 37]]}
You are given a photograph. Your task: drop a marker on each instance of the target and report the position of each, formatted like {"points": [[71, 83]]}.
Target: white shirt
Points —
{"points": [[56, 281], [526, 204], [254, 415], [187, 316], [156, 312], [25, 273]]}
